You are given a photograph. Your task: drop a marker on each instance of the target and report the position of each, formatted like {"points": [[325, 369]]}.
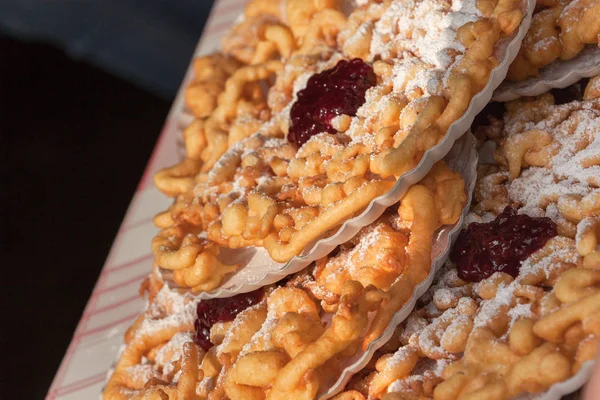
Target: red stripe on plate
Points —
{"points": [[64, 366], [97, 379], [128, 264], [120, 284], [110, 325], [80, 382], [136, 224], [113, 306]]}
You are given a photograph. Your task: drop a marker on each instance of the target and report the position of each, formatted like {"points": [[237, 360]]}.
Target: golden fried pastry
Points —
{"points": [[560, 29], [323, 113], [516, 310], [310, 112], [298, 333]]}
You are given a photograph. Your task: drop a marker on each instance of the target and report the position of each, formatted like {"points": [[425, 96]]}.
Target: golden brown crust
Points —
{"points": [[286, 336], [257, 189], [505, 336], [559, 30]]}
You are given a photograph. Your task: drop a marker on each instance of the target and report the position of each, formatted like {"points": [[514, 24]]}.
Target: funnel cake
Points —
{"points": [[560, 29], [506, 317], [314, 114], [297, 333]]}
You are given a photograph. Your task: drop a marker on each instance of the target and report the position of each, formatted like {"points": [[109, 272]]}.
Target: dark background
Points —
{"points": [[75, 141]]}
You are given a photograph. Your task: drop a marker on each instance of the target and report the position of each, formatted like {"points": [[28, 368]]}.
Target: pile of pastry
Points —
{"points": [[310, 111]]}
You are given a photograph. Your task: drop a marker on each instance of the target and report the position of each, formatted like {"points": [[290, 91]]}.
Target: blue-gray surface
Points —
{"points": [[148, 42]]}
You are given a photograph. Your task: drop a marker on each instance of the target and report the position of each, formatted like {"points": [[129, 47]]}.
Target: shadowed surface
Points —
{"points": [[75, 141]]}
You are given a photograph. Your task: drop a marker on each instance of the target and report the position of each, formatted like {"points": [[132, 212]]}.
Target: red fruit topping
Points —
{"points": [[212, 311], [501, 245], [336, 91]]}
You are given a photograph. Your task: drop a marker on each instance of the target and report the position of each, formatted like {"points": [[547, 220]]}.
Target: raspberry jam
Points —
{"points": [[336, 91], [501, 245], [212, 311]]}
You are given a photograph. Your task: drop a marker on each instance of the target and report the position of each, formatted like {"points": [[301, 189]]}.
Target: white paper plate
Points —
{"points": [[557, 75], [558, 390]]}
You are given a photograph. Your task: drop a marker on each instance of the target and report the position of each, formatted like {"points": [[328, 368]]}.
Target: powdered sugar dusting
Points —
{"points": [[169, 354], [573, 171], [421, 35], [142, 373], [425, 28], [453, 309], [262, 338], [560, 249], [372, 249], [425, 370], [583, 227], [239, 322], [168, 310]]}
